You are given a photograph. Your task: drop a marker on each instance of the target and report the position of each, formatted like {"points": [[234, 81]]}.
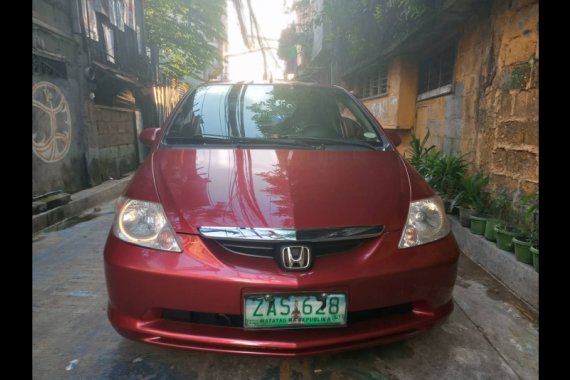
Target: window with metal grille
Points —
{"points": [[437, 71], [49, 67], [375, 84]]}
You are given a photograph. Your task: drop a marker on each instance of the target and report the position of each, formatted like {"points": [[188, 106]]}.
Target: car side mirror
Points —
{"points": [[394, 136], [148, 136]]}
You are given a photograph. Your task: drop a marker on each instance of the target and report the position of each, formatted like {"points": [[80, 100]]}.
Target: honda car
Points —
{"points": [[277, 219]]}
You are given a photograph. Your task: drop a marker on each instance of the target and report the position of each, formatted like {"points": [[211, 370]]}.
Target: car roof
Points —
{"points": [[273, 82]]}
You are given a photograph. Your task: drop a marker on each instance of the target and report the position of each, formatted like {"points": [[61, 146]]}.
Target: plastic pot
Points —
{"points": [[522, 251], [478, 224], [505, 238], [534, 252], [490, 229]]}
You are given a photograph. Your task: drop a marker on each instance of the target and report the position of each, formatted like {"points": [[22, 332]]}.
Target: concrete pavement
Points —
{"points": [[490, 335]]}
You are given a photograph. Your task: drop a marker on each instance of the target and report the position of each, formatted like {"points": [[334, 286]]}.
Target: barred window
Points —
{"points": [[437, 71], [375, 84]]}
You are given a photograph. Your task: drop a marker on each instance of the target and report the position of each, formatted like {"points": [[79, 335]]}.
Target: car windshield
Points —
{"points": [[259, 114]]}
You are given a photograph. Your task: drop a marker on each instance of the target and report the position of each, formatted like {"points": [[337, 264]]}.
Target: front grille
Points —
{"points": [[366, 315], [203, 318], [269, 250], [231, 320]]}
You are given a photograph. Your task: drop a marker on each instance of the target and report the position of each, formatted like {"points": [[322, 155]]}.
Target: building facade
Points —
{"points": [[94, 89], [469, 76]]}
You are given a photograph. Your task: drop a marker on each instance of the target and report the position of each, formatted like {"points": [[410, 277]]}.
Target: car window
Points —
{"points": [[269, 112], [203, 112]]}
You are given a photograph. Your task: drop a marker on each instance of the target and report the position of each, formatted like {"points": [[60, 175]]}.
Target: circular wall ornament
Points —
{"points": [[51, 122]]}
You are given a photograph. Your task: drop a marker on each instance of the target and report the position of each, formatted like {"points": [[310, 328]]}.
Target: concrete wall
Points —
{"points": [[57, 127], [444, 117], [396, 110], [491, 115], [116, 139], [385, 107], [507, 143], [75, 144]]}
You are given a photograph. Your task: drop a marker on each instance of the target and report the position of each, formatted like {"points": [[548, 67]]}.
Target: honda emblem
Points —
{"points": [[296, 257]]}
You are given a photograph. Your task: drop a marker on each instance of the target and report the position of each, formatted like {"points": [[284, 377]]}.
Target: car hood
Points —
{"points": [[301, 189]]}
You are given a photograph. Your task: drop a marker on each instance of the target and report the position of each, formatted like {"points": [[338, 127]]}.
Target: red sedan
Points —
{"points": [[277, 219]]}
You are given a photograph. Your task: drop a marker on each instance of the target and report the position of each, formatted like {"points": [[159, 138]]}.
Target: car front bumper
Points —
{"points": [[205, 278]]}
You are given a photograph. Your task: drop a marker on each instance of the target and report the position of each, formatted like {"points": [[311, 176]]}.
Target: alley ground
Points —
{"points": [[490, 335]]}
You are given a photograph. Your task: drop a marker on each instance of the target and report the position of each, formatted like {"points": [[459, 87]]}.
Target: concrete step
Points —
{"points": [[80, 202], [520, 278], [49, 201]]}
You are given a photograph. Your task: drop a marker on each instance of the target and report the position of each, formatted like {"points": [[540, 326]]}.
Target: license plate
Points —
{"points": [[292, 311]]}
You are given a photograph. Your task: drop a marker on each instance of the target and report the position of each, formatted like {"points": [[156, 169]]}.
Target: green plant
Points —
{"points": [[501, 205], [418, 152], [183, 32], [428, 169], [473, 194], [527, 216], [447, 174]]}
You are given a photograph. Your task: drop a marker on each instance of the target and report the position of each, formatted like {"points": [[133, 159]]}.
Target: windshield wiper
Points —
{"points": [[328, 141], [271, 141], [238, 141], [199, 140]]}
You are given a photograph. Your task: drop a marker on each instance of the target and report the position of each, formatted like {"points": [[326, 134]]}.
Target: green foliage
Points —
{"points": [[428, 168], [527, 216], [447, 173], [519, 76], [359, 24], [419, 153], [443, 172], [473, 192], [279, 106], [182, 30], [501, 205]]}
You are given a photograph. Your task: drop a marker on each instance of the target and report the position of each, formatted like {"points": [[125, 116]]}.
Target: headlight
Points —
{"points": [[144, 223], [426, 222]]}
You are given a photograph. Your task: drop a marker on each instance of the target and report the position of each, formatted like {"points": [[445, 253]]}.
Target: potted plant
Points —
{"points": [[534, 235], [478, 220], [534, 252], [498, 208], [524, 221], [506, 230], [472, 197], [534, 244], [526, 246]]}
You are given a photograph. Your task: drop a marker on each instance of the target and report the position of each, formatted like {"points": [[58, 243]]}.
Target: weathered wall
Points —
{"points": [[507, 144], [116, 141], [385, 107], [492, 114], [57, 128], [75, 144], [396, 109]]}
